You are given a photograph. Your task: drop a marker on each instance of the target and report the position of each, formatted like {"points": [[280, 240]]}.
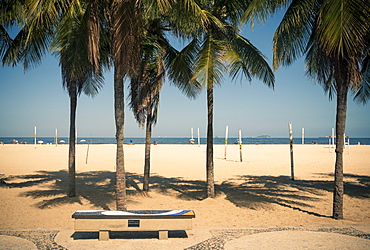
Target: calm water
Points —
{"points": [[162, 140]]}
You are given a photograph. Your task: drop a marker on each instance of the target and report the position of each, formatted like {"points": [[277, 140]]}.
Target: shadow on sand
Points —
{"points": [[253, 192]]}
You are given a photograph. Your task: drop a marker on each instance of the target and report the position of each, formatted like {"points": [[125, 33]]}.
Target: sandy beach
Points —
{"points": [[257, 192]]}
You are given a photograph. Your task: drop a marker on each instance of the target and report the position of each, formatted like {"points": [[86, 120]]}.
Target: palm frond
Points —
{"points": [[362, 95], [179, 67], [5, 41], [93, 27], [210, 63], [126, 36], [320, 68], [71, 47], [260, 10], [186, 17], [295, 30], [27, 50], [341, 33], [245, 57]]}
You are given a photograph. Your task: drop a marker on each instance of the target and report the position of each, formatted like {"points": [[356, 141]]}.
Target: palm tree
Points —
{"points": [[123, 20], [220, 49], [334, 36], [63, 27], [145, 102], [77, 74], [124, 28], [158, 56]]}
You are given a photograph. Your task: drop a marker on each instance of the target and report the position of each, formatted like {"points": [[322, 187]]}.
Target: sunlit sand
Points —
{"points": [[255, 192]]}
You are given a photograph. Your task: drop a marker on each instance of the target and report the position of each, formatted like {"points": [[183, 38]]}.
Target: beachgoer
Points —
{"points": [[130, 143]]}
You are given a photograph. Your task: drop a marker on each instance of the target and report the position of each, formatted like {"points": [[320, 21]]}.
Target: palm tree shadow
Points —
{"points": [[257, 191], [252, 192], [98, 187]]}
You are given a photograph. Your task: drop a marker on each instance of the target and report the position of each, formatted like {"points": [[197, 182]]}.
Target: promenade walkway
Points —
{"points": [[296, 237]]}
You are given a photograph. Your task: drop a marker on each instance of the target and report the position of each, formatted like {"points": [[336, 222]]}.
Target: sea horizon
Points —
{"points": [[182, 140]]}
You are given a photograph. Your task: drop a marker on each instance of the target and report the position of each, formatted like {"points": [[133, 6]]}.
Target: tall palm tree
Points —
{"points": [[220, 49], [145, 101], [334, 36], [123, 20], [39, 25], [158, 56], [77, 74]]}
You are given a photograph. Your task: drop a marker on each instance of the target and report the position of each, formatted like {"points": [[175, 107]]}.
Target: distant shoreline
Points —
{"points": [[182, 140]]}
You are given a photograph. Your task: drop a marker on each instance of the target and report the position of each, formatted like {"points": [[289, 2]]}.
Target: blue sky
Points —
{"points": [[36, 97]]}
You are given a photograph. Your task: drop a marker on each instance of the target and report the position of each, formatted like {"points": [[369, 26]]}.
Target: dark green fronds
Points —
{"points": [[180, 68], [245, 58], [210, 62], [5, 41], [260, 10], [362, 94], [186, 17], [125, 34], [71, 47], [295, 29]]}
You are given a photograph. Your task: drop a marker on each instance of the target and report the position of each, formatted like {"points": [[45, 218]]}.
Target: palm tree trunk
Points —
{"points": [[119, 118], [148, 136], [342, 90], [72, 140], [209, 167]]}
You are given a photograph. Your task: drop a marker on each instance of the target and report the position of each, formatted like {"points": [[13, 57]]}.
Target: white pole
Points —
{"points": [[240, 145], [198, 138], [192, 136], [88, 146], [226, 139], [56, 137], [302, 135], [332, 137], [34, 136], [344, 138], [76, 141]]}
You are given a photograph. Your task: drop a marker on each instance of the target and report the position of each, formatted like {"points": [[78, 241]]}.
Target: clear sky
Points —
{"points": [[36, 98]]}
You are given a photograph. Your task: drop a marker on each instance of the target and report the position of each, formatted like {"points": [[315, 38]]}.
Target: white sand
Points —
{"points": [[255, 192]]}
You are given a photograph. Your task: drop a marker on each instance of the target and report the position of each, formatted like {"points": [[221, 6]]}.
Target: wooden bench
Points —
{"points": [[105, 221]]}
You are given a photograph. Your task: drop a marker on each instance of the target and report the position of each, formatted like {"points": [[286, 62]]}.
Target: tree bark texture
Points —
{"points": [[119, 118], [72, 141], [342, 90], [210, 166], [148, 136]]}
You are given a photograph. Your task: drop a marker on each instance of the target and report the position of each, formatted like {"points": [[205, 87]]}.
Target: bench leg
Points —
{"points": [[163, 235], [104, 235]]}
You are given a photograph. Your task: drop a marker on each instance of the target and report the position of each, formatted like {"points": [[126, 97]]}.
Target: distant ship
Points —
{"points": [[264, 136]]}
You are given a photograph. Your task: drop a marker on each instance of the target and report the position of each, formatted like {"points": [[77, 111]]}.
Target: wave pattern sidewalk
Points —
{"points": [[315, 237], [222, 237], [42, 239]]}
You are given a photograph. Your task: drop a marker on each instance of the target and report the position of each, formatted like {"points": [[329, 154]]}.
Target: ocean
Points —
{"points": [[183, 140]]}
